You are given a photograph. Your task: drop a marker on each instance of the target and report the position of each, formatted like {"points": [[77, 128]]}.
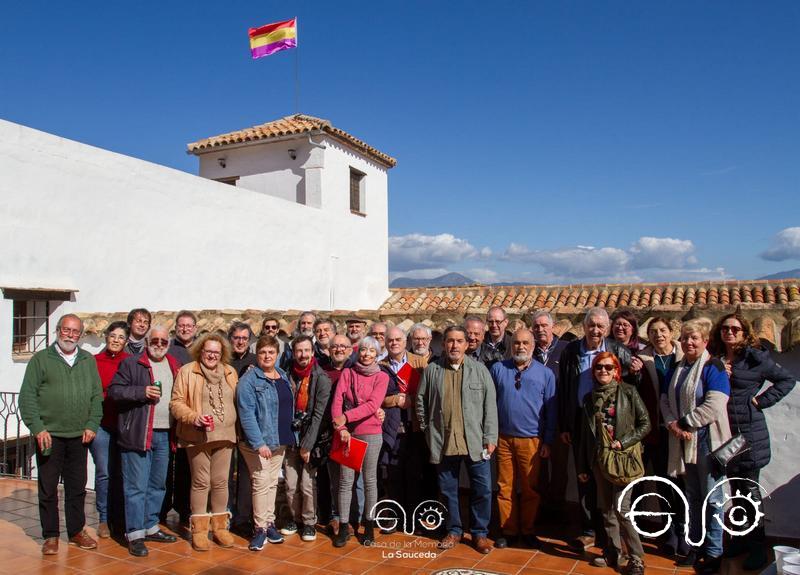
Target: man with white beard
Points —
{"points": [[61, 403], [141, 389], [526, 412], [421, 337]]}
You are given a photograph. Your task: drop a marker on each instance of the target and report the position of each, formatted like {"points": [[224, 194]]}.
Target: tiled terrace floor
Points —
{"points": [[20, 553]]}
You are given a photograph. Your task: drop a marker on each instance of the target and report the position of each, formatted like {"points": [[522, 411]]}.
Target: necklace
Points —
{"points": [[664, 360], [216, 409]]}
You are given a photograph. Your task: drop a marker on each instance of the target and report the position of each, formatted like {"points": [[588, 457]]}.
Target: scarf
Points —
{"points": [[602, 395], [370, 369], [215, 376], [677, 461], [136, 345], [303, 372]]}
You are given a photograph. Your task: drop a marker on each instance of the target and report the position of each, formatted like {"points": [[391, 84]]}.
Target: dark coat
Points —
{"points": [[631, 425], [318, 427], [491, 356], [557, 347], [569, 375], [127, 390], [749, 372]]}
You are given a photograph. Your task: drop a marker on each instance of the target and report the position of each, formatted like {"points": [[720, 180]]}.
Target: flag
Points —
{"points": [[271, 38]]}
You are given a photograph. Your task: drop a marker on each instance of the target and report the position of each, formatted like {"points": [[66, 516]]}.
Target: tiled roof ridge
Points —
{"points": [[287, 126], [599, 285]]}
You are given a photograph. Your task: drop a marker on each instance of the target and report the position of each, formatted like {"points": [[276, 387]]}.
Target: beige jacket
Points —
{"points": [[187, 401]]}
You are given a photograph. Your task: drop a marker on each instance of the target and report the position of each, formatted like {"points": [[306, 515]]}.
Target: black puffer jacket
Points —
{"points": [[749, 372]]}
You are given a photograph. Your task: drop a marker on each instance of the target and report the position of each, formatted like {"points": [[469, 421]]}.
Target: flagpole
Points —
{"points": [[297, 69]]}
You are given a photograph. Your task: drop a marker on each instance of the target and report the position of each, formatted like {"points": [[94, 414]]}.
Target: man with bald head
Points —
{"points": [[476, 332], [526, 412], [497, 343]]}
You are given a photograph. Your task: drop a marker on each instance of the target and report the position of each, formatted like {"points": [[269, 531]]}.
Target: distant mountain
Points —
{"points": [[447, 280], [788, 274]]}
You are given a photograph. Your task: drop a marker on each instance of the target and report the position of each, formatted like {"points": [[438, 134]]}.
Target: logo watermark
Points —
{"points": [[741, 506], [389, 515]]}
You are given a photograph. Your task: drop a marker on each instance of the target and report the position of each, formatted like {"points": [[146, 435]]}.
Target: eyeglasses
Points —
{"points": [[212, 353], [185, 326], [495, 321], [518, 380], [158, 342], [271, 327], [340, 346], [68, 331], [734, 329], [605, 367], [240, 338]]}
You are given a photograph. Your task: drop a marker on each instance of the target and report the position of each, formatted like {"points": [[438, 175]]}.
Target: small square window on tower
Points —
{"points": [[357, 192]]}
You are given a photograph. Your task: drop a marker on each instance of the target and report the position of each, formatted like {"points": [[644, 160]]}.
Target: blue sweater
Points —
{"points": [[529, 411]]}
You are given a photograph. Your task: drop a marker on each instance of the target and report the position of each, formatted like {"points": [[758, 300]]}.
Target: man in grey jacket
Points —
{"points": [[457, 410]]}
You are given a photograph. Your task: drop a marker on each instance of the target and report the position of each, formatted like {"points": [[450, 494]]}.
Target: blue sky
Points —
{"points": [[536, 141]]}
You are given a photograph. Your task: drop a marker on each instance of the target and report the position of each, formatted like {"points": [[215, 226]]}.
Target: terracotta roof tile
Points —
{"points": [[289, 126], [479, 298]]}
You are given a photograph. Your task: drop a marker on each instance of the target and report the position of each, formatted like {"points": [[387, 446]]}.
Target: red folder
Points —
{"points": [[352, 456]]}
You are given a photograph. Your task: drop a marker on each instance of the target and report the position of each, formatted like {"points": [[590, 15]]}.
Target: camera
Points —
{"points": [[301, 419]]}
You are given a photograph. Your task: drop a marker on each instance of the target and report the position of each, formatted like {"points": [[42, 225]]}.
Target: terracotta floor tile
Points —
{"points": [[391, 569], [187, 566], [224, 570], [281, 568], [539, 571], [552, 562], [118, 568], [351, 566], [86, 561], [314, 560], [255, 561], [51, 569], [448, 561], [496, 567], [518, 557]]}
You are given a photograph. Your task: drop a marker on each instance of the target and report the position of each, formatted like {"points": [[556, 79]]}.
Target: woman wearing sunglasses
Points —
{"points": [[695, 413], [615, 417], [749, 367]]}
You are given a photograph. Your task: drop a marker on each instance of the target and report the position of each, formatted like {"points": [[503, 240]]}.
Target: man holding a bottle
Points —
{"points": [[141, 388]]}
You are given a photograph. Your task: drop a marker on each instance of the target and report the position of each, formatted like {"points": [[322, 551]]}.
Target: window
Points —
{"points": [[31, 309], [357, 192], [31, 327]]}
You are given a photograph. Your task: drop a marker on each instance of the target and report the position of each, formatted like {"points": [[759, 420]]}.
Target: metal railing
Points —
{"points": [[17, 449]]}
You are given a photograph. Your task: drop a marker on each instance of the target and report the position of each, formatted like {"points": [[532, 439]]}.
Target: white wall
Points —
{"points": [[128, 233]]}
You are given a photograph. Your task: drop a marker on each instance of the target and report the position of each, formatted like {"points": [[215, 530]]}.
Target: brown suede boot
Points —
{"points": [[199, 527], [219, 529]]}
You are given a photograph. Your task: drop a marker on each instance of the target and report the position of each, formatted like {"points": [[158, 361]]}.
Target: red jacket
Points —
{"points": [[107, 366]]}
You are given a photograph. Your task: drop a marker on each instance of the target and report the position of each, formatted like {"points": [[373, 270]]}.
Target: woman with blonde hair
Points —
{"points": [[695, 412], [204, 407]]}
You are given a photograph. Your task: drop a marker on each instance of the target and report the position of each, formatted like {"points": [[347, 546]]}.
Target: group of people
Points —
{"points": [[206, 425]]}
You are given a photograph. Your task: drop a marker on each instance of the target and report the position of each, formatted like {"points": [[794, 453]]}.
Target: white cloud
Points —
{"points": [[648, 259], [665, 253], [419, 251], [785, 246], [483, 275], [580, 261]]}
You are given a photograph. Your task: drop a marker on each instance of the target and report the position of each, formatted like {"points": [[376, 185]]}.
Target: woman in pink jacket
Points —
{"points": [[356, 401]]}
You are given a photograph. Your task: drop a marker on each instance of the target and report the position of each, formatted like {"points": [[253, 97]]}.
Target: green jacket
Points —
{"points": [[478, 403], [61, 399], [631, 425]]}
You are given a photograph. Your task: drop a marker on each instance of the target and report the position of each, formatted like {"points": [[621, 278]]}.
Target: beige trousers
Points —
{"points": [[264, 474], [301, 487], [209, 464]]}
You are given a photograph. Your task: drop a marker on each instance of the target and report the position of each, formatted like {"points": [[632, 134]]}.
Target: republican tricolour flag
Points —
{"points": [[267, 40]]}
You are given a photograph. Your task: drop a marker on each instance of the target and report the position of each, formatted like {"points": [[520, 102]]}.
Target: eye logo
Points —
{"points": [[389, 515], [737, 513]]}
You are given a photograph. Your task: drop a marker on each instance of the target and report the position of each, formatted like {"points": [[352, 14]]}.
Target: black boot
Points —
{"points": [[369, 533], [342, 536]]}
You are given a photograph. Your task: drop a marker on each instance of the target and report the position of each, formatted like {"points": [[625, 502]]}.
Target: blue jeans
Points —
{"points": [[480, 495], [700, 478], [100, 450], [144, 474]]}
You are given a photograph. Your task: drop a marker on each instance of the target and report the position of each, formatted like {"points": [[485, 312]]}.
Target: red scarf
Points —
{"points": [[303, 372]]}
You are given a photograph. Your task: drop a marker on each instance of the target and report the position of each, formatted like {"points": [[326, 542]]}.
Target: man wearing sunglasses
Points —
{"points": [[526, 413], [142, 388]]}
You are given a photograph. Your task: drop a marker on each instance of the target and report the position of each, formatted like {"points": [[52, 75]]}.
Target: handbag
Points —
{"points": [[730, 450], [619, 466]]}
